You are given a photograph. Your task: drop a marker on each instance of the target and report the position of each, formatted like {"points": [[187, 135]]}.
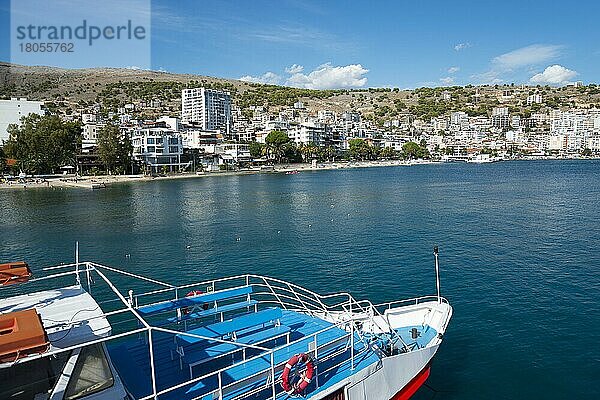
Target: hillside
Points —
{"points": [[70, 91]]}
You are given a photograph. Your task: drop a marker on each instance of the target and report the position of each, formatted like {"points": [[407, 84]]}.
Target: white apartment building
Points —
{"points": [[205, 141], [172, 123], [515, 122], [439, 124], [208, 108], [11, 112], [90, 132], [499, 111], [534, 99], [310, 133], [89, 118], [568, 143], [593, 143], [514, 137], [458, 118], [233, 152], [157, 148], [89, 135], [326, 116], [577, 122]]}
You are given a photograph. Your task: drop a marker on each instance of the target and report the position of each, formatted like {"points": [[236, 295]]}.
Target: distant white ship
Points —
{"points": [[76, 332]]}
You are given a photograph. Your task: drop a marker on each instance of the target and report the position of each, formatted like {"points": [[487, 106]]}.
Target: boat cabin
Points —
{"points": [[66, 319]]}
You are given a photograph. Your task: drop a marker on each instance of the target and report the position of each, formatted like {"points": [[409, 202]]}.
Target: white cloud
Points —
{"points": [[294, 69], [269, 78], [449, 80], [511, 65], [453, 70], [462, 46], [529, 55], [554, 75], [327, 76]]}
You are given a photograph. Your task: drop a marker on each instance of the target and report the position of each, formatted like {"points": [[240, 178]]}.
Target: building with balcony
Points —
{"points": [[157, 148], [206, 108]]}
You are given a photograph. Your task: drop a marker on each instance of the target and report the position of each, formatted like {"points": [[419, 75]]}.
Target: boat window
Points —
{"points": [[91, 373], [32, 379]]}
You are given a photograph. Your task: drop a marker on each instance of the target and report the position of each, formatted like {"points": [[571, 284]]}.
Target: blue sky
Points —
{"points": [[406, 44]]}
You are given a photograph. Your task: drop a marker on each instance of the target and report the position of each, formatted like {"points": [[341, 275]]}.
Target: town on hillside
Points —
{"points": [[210, 127]]}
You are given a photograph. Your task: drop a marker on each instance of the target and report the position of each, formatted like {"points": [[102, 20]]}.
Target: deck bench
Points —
{"points": [[214, 311], [231, 326], [238, 377], [228, 328], [197, 356], [171, 305]]}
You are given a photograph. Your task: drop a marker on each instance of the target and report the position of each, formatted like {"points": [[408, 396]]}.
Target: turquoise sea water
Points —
{"points": [[519, 247]]}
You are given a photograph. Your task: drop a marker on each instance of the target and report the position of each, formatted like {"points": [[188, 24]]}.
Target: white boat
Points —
{"points": [[483, 159], [80, 331]]}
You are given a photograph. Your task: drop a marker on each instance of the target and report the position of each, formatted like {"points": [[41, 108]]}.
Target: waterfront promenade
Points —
{"points": [[92, 182]]}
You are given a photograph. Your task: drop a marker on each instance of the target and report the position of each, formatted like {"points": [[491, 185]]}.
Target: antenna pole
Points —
{"points": [[77, 262], [437, 272]]}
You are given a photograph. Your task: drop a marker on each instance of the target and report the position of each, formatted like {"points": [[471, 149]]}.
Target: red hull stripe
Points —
{"points": [[414, 385]]}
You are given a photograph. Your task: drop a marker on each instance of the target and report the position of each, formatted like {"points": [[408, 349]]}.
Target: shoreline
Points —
{"points": [[104, 181]]}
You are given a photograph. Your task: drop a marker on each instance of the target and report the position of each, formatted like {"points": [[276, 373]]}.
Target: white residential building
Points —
{"points": [[534, 99], [205, 141], [500, 117], [457, 118], [88, 118], [569, 143], [514, 137], [310, 133], [209, 109], [577, 122], [89, 135], [172, 123], [233, 152], [11, 112], [499, 111], [157, 148], [593, 143]]}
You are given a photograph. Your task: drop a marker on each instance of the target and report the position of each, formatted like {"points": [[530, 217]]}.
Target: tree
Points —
{"points": [[275, 142], [329, 153], [114, 149], [412, 150], [256, 149], [43, 143], [2, 160], [358, 149], [291, 152], [388, 152]]}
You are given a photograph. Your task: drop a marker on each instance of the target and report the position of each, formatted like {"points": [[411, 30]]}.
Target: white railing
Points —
{"points": [[273, 367], [410, 302]]}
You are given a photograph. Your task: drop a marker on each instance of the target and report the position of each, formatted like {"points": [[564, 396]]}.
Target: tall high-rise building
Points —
{"points": [[11, 112], [208, 108]]}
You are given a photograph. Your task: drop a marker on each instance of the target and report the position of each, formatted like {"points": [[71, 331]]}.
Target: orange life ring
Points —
{"points": [[305, 377], [186, 310]]}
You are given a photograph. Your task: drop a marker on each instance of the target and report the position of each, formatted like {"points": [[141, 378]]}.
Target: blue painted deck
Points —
{"points": [[132, 361], [425, 335]]}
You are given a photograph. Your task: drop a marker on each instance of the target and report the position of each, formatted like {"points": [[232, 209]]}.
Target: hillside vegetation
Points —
{"points": [[71, 91]]}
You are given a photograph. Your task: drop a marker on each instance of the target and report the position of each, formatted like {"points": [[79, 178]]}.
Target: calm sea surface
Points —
{"points": [[519, 243]]}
